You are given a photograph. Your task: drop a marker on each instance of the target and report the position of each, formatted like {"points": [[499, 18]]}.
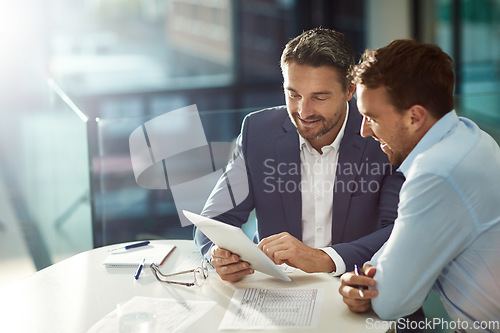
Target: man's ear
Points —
{"points": [[418, 118], [351, 89]]}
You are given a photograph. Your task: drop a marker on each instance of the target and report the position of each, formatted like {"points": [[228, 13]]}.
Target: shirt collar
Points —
{"points": [[303, 143], [433, 135]]}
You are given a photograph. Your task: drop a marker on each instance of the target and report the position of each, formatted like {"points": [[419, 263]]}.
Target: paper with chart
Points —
{"points": [[273, 309]]}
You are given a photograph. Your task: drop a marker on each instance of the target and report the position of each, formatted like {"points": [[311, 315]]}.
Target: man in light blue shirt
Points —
{"points": [[447, 234]]}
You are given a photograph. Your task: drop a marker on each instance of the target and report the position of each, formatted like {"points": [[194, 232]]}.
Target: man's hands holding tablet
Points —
{"points": [[228, 265], [234, 255], [280, 248]]}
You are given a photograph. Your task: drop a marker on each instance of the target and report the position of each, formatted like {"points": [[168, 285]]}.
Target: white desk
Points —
{"points": [[74, 294]]}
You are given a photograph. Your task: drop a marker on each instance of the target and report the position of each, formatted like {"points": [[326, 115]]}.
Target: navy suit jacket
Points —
{"points": [[365, 197]]}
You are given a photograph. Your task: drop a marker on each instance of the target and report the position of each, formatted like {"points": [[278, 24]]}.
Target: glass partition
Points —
{"points": [[482, 108], [468, 30], [126, 211], [44, 178]]}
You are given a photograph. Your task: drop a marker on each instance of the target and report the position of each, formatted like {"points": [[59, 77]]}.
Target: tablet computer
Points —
{"points": [[234, 239]]}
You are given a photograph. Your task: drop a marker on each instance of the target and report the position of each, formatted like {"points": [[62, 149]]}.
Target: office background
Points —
{"points": [[78, 76]]}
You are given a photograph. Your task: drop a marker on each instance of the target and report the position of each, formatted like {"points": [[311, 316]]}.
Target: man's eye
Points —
{"points": [[320, 99]]}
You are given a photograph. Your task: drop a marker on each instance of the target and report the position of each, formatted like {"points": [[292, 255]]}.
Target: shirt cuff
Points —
{"points": [[337, 259]]}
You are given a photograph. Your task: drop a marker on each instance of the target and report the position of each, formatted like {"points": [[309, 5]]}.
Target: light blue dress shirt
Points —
{"points": [[447, 233]]}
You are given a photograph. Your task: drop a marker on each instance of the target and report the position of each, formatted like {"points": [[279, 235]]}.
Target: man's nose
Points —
{"points": [[366, 129], [305, 108]]}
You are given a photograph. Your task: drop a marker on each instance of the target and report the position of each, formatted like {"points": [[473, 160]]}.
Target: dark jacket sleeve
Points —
{"points": [[231, 201], [361, 250]]}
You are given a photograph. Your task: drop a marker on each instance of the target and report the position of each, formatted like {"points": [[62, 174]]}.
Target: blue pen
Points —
{"points": [[356, 271], [131, 246], [139, 269]]}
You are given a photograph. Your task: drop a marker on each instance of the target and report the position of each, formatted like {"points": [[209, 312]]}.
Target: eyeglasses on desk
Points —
{"points": [[200, 275]]}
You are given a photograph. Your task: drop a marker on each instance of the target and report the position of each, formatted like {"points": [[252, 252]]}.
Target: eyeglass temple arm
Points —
{"points": [[187, 284], [174, 274]]}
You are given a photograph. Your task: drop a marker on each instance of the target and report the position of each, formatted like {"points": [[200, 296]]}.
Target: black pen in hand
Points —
{"points": [[356, 271]]}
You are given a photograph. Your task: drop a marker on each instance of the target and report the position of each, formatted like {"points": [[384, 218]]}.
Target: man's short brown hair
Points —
{"points": [[321, 47], [413, 74]]}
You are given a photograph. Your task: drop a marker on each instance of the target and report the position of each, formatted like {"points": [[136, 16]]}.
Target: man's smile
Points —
{"points": [[308, 121]]}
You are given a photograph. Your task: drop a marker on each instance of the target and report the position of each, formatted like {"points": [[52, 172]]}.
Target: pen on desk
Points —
{"points": [[131, 246], [356, 271], [139, 269], [168, 255]]}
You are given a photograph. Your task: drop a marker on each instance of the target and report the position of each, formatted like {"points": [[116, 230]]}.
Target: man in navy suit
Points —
{"points": [[325, 198]]}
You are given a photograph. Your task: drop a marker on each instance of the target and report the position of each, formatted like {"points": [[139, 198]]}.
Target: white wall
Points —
{"points": [[387, 20]]}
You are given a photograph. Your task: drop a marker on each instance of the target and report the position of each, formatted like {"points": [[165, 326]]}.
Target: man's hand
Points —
{"points": [[228, 265], [350, 289], [284, 248]]}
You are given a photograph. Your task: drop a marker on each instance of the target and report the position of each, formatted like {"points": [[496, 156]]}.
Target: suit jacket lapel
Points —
{"points": [[288, 151], [350, 153]]}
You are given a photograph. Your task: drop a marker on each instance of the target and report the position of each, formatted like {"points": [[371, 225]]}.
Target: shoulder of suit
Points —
{"points": [[269, 119], [273, 113]]}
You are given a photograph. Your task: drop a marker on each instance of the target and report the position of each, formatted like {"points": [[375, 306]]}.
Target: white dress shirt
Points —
{"points": [[317, 183]]}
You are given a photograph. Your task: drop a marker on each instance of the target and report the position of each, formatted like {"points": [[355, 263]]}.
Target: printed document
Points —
{"points": [[273, 309]]}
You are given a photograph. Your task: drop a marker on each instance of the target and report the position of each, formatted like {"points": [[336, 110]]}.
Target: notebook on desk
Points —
{"points": [[153, 253]]}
